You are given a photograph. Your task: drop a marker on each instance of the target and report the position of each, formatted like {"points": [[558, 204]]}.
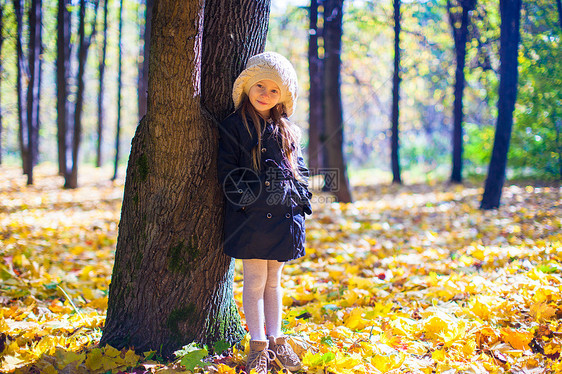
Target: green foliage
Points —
{"points": [[191, 355], [220, 346], [536, 139], [479, 141]]}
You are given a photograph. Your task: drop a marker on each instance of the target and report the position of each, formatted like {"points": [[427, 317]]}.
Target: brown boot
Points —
{"points": [[285, 353], [259, 357]]}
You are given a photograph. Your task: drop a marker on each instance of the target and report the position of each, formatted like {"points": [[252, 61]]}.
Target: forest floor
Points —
{"points": [[407, 279]]}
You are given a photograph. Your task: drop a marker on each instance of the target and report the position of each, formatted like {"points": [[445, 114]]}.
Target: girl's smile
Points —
{"points": [[264, 95]]}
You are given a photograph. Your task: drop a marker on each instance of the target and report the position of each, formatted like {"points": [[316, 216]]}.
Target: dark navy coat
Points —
{"points": [[265, 211]]}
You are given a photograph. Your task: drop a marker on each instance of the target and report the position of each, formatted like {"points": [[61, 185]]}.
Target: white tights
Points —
{"points": [[262, 297]]}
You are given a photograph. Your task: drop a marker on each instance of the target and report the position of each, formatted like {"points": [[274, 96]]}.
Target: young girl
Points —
{"points": [[265, 182]]}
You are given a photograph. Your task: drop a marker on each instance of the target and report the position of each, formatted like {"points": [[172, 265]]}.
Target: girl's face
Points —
{"points": [[264, 95]]}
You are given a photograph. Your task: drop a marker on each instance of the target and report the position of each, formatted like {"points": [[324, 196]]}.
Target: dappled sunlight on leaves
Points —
{"points": [[405, 279]]}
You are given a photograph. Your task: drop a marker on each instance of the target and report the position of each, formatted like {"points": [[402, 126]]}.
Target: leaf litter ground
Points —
{"points": [[407, 279]]}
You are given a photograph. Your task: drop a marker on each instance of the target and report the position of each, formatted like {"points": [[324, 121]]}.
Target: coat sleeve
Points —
{"points": [[229, 171], [302, 187]]}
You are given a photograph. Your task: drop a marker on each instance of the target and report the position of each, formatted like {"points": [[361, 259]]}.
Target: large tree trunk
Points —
{"points": [[21, 73], [394, 140], [510, 11], [119, 86], [71, 179], [143, 67], [460, 35], [336, 177], [33, 87], [63, 70], [315, 94], [101, 114], [171, 282]]}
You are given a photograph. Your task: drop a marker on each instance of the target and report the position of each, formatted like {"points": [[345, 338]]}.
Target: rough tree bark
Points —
{"points": [[316, 93], [171, 282], [336, 179], [101, 86], [119, 86], [63, 70], [460, 36], [394, 137], [510, 12], [143, 67]]}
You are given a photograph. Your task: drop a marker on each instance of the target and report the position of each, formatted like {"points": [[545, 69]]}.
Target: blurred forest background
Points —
{"points": [[426, 97]]}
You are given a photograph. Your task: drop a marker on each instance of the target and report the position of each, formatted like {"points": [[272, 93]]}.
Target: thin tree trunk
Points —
{"points": [[1, 71], [63, 69], [557, 121], [460, 36], [38, 106], [316, 93], [71, 180], [33, 86], [336, 177], [394, 140], [171, 282], [143, 67], [21, 73], [510, 11], [101, 86], [119, 85]]}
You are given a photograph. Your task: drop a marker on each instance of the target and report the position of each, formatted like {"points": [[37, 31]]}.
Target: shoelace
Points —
{"points": [[263, 358], [283, 350]]}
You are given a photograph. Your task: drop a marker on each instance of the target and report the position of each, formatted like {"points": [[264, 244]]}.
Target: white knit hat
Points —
{"points": [[273, 66]]}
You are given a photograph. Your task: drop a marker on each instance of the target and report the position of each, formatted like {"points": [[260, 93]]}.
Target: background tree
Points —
{"points": [[171, 282], [395, 157], [33, 87], [119, 95], [71, 175], [63, 75], [333, 111], [21, 73], [510, 11], [101, 68], [1, 71], [316, 91], [459, 19]]}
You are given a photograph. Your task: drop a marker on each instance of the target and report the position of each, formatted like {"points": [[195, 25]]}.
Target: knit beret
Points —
{"points": [[273, 66]]}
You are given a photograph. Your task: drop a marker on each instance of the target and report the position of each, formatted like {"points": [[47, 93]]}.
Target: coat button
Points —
{"points": [[288, 215], [267, 183], [268, 215], [263, 150]]}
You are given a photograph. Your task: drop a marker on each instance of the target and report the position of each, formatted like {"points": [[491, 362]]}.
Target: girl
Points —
{"points": [[265, 182]]}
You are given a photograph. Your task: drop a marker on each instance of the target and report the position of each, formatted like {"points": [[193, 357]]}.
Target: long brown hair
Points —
{"points": [[290, 135]]}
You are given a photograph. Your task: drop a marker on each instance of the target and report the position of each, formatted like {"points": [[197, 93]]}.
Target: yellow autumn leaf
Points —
{"points": [[94, 359], [110, 351], [386, 363], [517, 339], [542, 311], [131, 358]]}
